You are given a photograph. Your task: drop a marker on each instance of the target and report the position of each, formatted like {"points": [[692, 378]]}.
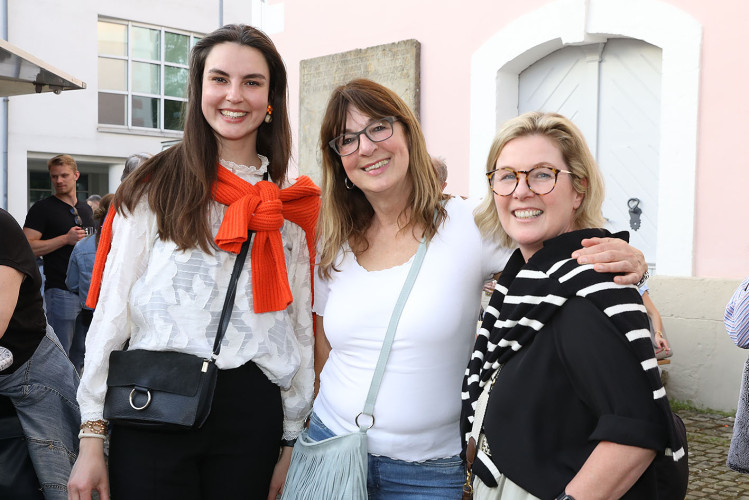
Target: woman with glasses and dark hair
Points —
{"points": [[381, 196], [575, 408], [181, 218]]}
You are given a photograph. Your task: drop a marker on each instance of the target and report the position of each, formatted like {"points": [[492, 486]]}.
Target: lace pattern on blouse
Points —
{"points": [[160, 298]]}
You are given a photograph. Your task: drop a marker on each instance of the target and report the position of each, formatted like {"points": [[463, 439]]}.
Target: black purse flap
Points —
{"points": [[168, 371]]}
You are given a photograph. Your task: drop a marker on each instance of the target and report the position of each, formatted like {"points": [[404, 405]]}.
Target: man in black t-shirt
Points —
{"points": [[53, 226], [41, 383]]}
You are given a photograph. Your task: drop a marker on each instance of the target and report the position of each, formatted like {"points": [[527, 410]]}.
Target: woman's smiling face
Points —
{"points": [[528, 218], [377, 167], [236, 81]]}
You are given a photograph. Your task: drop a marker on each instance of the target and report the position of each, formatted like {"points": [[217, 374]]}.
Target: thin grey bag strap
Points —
{"points": [[387, 342]]}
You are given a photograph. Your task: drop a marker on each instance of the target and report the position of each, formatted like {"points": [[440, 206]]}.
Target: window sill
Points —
{"points": [[113, 129]]}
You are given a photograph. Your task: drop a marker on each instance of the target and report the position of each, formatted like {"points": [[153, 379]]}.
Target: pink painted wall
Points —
{"points": [[722, 200], [450, 33]]}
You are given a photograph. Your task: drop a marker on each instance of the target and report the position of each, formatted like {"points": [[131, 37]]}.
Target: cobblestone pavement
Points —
{"points": [[709, 436]]}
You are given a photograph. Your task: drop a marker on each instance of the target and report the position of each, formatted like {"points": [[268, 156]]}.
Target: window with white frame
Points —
{"points": [[142, 75]]}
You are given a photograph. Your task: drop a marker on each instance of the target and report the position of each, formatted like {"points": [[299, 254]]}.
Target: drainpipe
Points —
{"points": [[220, 12], [4, 115]]}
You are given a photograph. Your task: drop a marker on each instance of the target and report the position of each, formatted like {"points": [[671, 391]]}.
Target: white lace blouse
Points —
{"points": [[160, 298]]}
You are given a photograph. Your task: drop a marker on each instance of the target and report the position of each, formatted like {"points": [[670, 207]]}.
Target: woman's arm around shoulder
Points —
{"points": [[613, 255]]}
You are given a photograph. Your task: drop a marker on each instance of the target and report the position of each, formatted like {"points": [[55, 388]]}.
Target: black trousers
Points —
{"points": [[231, 457]]}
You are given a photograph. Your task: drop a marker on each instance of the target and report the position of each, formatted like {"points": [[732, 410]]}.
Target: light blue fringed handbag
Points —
{"points": [[336, 468]]}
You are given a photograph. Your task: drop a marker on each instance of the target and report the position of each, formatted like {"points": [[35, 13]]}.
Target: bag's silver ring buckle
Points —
{"points": [[356, 420], [148, 402]]}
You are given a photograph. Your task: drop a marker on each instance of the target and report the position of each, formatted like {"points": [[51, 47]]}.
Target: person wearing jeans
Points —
{"points": [[41, 382]]}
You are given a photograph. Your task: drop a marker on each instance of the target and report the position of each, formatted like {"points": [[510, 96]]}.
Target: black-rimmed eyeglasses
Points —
{"points": [[377, 131], [541, 180], [76, 217]]}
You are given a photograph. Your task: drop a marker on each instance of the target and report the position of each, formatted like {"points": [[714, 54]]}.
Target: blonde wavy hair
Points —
{"points": [[586, 179], [345, 214]]}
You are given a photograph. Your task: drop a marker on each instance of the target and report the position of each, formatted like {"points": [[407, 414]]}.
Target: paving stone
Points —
{"points": [[709, 436]]}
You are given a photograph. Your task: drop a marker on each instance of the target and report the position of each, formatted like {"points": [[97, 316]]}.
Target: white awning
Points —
{"points": [[22, 73]]}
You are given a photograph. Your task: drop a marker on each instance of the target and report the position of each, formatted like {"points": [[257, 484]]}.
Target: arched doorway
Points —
{"points": [[611, 91], [497, 64]]}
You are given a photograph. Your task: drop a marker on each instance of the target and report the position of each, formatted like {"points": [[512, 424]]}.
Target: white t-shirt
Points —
{"points": [[418, 405]]}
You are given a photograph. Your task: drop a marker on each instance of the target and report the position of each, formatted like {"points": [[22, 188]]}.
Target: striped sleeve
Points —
{"points": [[736, 318]]}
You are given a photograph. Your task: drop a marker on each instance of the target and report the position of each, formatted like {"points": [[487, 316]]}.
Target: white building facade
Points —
{"points": [[133, 57]]}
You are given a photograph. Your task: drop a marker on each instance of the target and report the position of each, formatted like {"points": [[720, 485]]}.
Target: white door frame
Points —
{"points": [[495, 67]]}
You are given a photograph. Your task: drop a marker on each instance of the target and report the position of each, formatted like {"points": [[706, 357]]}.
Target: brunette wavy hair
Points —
{"points": [[345, 214], [179, 181]]}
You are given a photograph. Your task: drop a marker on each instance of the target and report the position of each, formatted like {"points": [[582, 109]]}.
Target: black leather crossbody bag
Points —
{"points": [[167, 390]]}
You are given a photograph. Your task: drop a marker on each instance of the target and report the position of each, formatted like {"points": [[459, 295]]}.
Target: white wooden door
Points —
{"points": [[612, 93]]}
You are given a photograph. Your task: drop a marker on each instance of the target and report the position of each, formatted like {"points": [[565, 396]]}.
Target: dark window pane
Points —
{"points": [[173, 114], [145, 112], [40, 180], [81, 185], [112, 109]]}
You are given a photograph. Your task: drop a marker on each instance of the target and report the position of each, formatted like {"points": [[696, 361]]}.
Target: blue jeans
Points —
{"points": [[62, 308], [78, 346], [43, 391], [391, 479]]}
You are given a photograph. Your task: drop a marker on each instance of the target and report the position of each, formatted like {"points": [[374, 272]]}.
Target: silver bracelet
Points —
{"points": [[91, 435], [643, 279]]}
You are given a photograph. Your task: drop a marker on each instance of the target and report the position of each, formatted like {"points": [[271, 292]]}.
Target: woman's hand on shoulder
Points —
{"points": [[613, 255], [89, 472]]}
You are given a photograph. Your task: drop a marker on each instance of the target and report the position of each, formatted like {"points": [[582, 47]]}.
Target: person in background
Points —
{"points": [[736, 321], [93, 201], [133, 161], [181, 219], [736, 318], [381, 196], [440, 166], [40, 382], [78, 279], [577, 408], [660, 344], [53, 226]]}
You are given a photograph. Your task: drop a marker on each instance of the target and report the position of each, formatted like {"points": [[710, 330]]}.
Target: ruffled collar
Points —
{"points": [[246, 171]]}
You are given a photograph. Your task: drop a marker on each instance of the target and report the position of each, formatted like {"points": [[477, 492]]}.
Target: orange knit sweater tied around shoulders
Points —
{"points": [[262, 208]]}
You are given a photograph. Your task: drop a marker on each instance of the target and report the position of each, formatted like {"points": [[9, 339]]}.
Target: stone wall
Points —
{"points": [[395, 65], [706, 366]]}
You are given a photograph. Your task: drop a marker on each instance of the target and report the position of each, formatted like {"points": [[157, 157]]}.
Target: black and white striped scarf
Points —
{"points": [[527, 296]]}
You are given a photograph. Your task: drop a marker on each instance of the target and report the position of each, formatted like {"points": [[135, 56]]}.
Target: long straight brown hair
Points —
{"points": [[179, 181]]}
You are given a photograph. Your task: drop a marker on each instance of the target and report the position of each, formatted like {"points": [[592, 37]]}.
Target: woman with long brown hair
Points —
{"points": [[182, 216]]}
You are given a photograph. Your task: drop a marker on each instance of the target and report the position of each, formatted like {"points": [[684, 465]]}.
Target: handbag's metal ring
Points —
{"points": [[148, 402], [356, 420]]}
